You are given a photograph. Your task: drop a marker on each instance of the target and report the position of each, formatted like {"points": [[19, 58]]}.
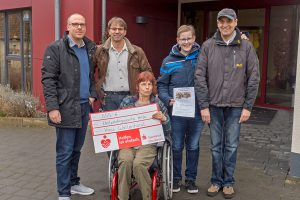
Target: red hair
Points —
{"points": [[146, 76]]}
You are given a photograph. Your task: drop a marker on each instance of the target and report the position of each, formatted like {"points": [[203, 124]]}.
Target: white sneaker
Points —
{"points": [[81, 189], [64, 198]]}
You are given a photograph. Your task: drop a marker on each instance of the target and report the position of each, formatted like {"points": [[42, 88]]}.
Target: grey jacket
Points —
{"points": [[227, 75]]}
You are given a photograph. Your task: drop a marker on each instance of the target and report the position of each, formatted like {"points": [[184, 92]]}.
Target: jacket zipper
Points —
{"points": [[234, 66]]}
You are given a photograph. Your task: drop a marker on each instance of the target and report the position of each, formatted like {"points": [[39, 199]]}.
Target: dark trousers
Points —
{"points": [[69, 142]]}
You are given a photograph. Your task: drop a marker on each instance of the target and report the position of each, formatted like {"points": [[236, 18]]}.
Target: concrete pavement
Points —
{"points": [[27, 164]]}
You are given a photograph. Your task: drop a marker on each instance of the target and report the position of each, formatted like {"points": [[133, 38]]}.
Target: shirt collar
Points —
{"points": [[72, 43], [114, 49], [231, 38]]}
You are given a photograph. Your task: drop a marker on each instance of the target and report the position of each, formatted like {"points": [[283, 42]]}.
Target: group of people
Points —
{"points": [[224, 73]]}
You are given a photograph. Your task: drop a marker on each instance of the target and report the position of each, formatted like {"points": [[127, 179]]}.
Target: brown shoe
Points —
{"points": [[228, 192], [213, 190]]}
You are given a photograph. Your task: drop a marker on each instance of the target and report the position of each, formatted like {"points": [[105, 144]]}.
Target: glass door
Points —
{"points": [[196, 18], [252, 21], [282, 55]]}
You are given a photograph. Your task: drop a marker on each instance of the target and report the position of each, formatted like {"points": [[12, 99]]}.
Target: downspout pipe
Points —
{"points": [[103, 28], [57, 18]]}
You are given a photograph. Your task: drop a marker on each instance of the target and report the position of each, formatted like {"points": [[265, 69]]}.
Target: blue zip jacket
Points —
{"points": [[177, 71]]}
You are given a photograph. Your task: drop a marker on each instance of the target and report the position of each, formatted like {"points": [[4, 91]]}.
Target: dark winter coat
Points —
{"points": [[61, 81]]}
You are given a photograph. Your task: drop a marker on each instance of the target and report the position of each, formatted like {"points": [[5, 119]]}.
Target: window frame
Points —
{"points": [[10, 57]]}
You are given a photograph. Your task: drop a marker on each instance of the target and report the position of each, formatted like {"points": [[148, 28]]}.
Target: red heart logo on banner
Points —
{"points": [[105, 142], [144, 137]]}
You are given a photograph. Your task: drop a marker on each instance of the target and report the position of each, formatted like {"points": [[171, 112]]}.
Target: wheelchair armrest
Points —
{"points": [[168, 139], [160, 144]]}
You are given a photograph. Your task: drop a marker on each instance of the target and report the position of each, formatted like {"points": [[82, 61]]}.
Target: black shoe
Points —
{"points": [[176, 186], [191, 187]]}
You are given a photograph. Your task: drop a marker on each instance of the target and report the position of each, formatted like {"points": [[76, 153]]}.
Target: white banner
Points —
{"points": [[126, 128]]}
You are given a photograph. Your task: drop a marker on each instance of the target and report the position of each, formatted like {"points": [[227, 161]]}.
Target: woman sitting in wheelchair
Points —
{"points": [[137, 160]]}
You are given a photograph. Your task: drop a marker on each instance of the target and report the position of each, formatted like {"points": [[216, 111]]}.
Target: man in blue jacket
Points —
{"points": [[177, 71], [69, 90]]}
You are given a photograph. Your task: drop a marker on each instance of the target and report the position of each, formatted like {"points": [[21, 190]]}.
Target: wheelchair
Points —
{"points": [[161, 173]]}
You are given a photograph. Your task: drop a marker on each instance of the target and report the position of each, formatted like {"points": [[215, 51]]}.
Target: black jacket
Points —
{"points": [[61, 81]]}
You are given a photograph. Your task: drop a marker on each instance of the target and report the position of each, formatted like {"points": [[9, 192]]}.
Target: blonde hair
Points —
{"points": [[186, 28]]}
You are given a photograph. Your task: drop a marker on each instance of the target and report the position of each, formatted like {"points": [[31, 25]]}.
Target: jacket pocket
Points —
{"points": [[135, 65], [62, 95]]}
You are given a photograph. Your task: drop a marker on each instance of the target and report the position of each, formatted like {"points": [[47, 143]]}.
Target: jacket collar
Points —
{"points": [[130, 48], [133, 99], [89, 43], [72, 43], [176, 50], [236, 40]]}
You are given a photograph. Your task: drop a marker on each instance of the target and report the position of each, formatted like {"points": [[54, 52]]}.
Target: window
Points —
{"points": [[27, 50], [2, 50], [15, 50]]}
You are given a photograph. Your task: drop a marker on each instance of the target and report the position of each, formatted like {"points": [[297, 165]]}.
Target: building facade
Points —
{"points": [[273, 28], [28, 26]]}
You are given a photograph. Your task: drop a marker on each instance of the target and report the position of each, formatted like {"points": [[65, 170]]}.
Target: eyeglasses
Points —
{"points": [[185, 39], [117, 29], [76, 25]]}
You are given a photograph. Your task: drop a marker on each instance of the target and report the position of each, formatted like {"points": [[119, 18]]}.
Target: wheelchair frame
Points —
{"points": [[162, 175]]}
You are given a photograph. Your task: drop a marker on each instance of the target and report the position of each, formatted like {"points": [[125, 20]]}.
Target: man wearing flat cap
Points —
{"points": [[226, 84]]}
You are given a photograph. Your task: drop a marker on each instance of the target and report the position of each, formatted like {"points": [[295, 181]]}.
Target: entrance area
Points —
{"points": [[273, 31]]}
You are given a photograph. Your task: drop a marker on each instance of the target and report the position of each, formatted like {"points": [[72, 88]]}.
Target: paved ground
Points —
{"points": [[27, 169]]}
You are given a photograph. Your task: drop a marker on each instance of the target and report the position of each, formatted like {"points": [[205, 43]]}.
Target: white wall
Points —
{"points": [[296, 122]]}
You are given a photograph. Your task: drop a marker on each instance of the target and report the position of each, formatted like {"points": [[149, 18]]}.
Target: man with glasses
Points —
{"points": [[119, 62], [177, 71], [226, 83], [69, 90]]}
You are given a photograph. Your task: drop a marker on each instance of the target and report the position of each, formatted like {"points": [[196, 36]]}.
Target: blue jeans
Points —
{"points": [[113, 101], [69, 142], [225, 133], [186, 130]]}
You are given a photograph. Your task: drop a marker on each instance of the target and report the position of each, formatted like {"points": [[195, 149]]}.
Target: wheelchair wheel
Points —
{"points": [[110, 172], [167, 172], [113, 176], [114, 187]]}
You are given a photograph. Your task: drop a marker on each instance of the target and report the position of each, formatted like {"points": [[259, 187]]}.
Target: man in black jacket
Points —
{"points": [[69, 90]]}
